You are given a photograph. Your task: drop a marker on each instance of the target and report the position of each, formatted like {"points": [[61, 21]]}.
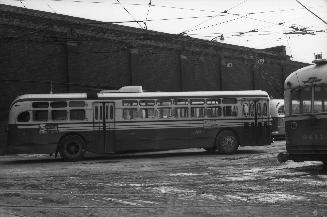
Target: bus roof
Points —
{"points": [[304, 76], [255, 93], [101, 95]]}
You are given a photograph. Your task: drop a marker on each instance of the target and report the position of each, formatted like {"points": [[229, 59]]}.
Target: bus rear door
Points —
{"points": [[262, 129], [103, 126]]}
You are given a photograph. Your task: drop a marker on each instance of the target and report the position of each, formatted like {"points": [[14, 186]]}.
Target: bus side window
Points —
{"points": [[265, 109], [197, 112], [24, 117], [281, 110], [295, 106], [245, 110], [146, 113], [76, 104], [40, 104], [230, 111], [213, 112], [164, 113], [96, 113], [111, 110], [129, 113], [77, 114], [259, 109], [181, 112], [59, 115], [319, 98], [252, 109], [58, 104], [40, 115]]}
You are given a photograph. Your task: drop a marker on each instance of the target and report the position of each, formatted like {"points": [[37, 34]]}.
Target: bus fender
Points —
{"points": [[65, 135]]}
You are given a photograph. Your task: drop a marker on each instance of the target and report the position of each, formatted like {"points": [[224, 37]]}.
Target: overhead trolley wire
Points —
{"points": [[225, 11], [216, 24], [147, 14], [129, 13], [51, 8], [311, 12]]}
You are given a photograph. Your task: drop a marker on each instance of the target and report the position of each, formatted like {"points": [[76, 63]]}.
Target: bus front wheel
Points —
{"points": [[72, 148], [226, 142]]}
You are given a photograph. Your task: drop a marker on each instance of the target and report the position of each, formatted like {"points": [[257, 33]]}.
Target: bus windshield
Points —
{"points": [[320, 99], [301, 100], [304, 100]]}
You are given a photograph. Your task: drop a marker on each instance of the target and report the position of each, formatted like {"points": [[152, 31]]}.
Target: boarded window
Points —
{"points": [[59, 115], [24, 117], [59, 104], [76, 104], [77, 114], [40, 115], [40, 104]]}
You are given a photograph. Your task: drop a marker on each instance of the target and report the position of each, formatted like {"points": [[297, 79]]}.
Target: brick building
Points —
{"points": [[40, 50]]}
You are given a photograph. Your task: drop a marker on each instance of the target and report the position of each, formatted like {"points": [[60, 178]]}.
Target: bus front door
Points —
{"points": [[262, 127], [103, 125]]}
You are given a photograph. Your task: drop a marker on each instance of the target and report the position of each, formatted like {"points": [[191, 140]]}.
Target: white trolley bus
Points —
{"points": [[277, 113], [306, 113], [130, 120]]}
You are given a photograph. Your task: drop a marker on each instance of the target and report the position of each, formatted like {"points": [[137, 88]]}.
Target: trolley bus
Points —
{"points": [[131, 120], [305, 95], [277, 113]]}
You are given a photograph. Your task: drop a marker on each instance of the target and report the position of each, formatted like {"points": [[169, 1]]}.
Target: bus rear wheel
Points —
{"points": [[72, 148], [226, 142]]}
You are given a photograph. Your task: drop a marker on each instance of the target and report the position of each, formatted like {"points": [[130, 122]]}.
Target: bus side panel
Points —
{"points": [[306, 139], [251, 135], [164, 139], [28, 140]]}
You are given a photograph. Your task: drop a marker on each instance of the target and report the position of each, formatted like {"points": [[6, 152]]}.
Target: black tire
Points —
{"points": [[72, 148], [227, 142]]}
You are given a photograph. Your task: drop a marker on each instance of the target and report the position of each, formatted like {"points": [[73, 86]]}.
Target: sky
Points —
{"points": [[251, 23]]}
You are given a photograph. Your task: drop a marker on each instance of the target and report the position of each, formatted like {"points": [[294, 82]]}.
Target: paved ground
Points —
{"points": [[183, 183]]}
